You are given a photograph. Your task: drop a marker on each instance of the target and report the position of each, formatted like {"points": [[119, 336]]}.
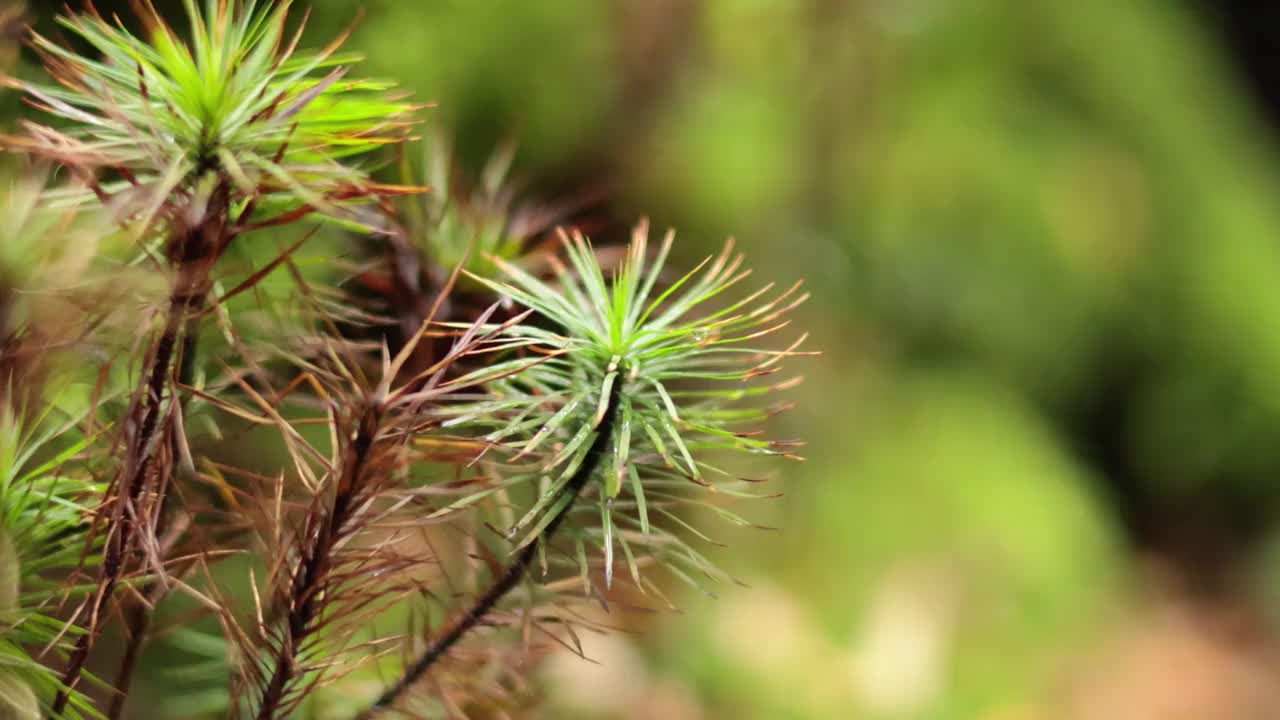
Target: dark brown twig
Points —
{"points": [[512, 576], [317, 544], [138, 621], [192, 253]]}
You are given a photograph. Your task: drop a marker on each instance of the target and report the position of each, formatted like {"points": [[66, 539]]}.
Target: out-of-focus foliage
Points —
{"points": [[453, 226], [163, 110], [40, 532], [1067, 204]]}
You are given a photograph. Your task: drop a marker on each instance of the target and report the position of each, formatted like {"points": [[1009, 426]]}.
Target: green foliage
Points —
{"points": [[238, 97], [611, 408], [42, 536], [671, 352], [456, 228]]}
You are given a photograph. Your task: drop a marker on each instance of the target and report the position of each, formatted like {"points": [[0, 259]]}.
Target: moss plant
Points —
{"points": [[42, 506], [330, 510], [624, 412]]}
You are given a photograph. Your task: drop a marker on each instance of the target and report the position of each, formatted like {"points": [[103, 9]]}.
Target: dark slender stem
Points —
{"points": [[514, 573], [139, 617], [120, 536], [317, 543], [139, 622], [192, 251]]}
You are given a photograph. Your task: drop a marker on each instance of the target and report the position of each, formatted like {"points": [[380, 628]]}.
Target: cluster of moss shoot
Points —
{"points": [[380, 480]]}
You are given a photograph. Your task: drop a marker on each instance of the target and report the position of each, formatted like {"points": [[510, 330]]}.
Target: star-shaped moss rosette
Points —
{"points": [[237, 99], [452, 226], [664, 372], [623, 426], [463, 222]]}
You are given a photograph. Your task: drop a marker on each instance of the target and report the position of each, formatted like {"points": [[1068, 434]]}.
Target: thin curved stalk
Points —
{"points": [[138, 622], [306, 587], [514, 573], [192, 252], [123, 529]]}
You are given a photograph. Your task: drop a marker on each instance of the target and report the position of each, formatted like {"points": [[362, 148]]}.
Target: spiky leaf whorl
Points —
{"points": [[677, 364]]}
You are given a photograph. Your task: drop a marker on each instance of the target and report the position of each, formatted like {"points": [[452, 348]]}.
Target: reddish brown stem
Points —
{"points": [[139, 624], [511, 577], [316, 546], [121, 534], [192, 252]]}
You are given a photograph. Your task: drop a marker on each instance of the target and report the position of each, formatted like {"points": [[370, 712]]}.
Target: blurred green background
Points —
{"points": [[1043, 239]]}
